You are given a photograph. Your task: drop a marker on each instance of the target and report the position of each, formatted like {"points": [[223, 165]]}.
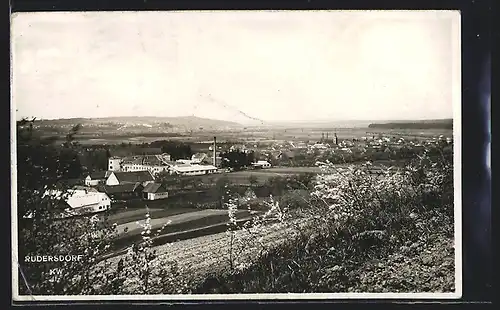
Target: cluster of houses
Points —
{"points": [[133, 177], [156, 164], [129, 178], [103, 188]]}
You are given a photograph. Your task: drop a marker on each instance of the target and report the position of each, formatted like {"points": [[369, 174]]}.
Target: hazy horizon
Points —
{"points": [[236, 66], [317, 120]]}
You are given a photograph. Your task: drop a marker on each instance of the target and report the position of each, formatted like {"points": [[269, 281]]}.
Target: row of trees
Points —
{"points": [[177, 150]]}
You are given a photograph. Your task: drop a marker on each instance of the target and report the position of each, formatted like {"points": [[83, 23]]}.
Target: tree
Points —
{"points": [[177, 150], [236, 159], [41, 166]]}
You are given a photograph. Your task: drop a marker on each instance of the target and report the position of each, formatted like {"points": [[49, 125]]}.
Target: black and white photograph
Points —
{"points": [[218, 155]]}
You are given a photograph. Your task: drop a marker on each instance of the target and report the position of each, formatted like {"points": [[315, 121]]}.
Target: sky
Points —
{"points": [[271, 66]]}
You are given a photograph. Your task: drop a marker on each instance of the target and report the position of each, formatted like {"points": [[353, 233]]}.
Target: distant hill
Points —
{"points": [[415, 124], [146, 121]]}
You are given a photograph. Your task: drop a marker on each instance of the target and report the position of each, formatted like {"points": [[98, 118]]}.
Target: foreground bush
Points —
{"points": [[361, 219]]}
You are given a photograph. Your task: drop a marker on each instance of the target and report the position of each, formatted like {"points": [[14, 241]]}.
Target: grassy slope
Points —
{"points": [[427, 267]]}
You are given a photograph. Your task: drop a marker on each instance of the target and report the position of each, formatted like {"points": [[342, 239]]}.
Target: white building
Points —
{"points": [[81, 201], [128, 167], [320, 146], [194, 169], [152, 163], [261, 164], [114, 164], [155, 191]]}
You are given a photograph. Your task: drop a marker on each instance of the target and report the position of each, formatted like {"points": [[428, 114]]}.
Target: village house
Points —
{"points": [[95, 178], [81, 201], [123, 191], [120, 178], [154, 191], [261, 164]]}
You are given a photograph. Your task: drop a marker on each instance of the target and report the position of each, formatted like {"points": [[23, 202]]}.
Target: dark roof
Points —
{"points": [[123, 188], [153, 160], [134, 176], [97, 175], [154, 188]]}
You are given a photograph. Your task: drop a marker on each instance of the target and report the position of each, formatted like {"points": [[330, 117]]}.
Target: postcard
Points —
{"points": [[222, 155]]}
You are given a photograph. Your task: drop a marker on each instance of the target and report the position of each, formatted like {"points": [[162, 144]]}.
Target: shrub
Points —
{"points": [[354, 216]]}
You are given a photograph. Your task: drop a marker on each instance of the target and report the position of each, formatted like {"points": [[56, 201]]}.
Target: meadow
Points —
{"points": [[260, 135]]}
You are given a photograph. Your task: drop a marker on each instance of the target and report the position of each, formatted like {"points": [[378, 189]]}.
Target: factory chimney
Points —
{"points": [[327, 136], [336, 139], [215, 152], [322, 136]]}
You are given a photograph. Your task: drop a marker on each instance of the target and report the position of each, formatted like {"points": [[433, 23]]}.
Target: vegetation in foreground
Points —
{"points": [[356, 232]]}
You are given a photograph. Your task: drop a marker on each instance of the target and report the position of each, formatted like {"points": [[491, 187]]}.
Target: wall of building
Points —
{"points": [[105, 202], [114, 164], [197, 172], [112, 180], [89, 182], [156, 196], [153, 169], [134, 167], [94, 208]]}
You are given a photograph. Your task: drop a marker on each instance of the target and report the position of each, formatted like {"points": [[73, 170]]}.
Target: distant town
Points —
{"points": [[138, 172]]}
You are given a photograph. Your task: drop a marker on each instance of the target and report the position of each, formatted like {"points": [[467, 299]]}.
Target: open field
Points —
{"points": [[242, 177], [258, 135], [204, 255]]}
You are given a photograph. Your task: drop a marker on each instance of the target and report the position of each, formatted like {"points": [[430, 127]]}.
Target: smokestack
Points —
{"points": [[336, 139], [322, 136], [215, 150], [327, 136]]}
